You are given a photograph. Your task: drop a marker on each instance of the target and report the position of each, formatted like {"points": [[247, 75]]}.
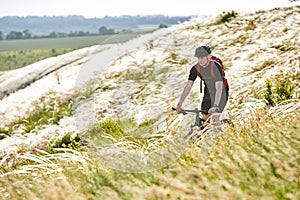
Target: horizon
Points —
{"points": [[28, 16], [117, 8]]}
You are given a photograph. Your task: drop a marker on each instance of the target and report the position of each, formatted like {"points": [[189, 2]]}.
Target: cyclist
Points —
{"points": [[216, 87]]}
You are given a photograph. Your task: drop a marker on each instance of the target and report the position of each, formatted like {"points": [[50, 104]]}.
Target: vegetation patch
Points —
{"points": [[285, 46], [135, 75], [47, 110], [112, 128], [265, 65], [230, 166], [226, 17], [242, 39], [126, 133], [67, 141], [251, 25], [282, 90], [174, 59], [19, 58]]}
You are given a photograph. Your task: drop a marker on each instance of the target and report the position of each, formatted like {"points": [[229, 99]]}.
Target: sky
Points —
{"points": [[101, 8]]}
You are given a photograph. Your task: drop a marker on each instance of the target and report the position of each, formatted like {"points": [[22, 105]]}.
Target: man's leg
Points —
{"points": [[205, 105]]}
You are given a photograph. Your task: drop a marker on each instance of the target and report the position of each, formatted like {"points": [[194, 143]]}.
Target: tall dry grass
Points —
{"points": [[255, 159]]}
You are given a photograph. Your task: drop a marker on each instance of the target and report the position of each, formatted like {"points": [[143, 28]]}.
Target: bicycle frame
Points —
{"points": [[197, 118], [206, 129]]}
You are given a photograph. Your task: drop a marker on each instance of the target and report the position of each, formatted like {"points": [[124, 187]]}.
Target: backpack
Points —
{"points": [[219, 61]]}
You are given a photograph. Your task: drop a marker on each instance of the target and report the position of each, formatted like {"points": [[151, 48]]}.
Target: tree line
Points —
{"points": [[26, 34], [46, 24]]}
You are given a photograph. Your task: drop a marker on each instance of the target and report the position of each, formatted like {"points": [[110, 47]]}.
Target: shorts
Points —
{"points": [[208, 101]]}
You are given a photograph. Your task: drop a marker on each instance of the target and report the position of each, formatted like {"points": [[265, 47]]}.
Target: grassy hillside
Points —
{"points": [[257, 161], [257, 158]]}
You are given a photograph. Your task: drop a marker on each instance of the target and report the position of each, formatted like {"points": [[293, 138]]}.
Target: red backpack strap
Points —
{"points": [[212, 63], [225, 82]]}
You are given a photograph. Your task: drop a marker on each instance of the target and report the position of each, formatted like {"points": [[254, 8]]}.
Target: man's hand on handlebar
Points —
{"points": [[178, 109]]}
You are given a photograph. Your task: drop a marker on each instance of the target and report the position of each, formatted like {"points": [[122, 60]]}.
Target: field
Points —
{"points": [[19, 53], [147, 27], [69, 42], [19, 58]]}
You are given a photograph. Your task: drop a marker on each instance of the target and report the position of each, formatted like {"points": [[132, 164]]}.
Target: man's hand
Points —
{"points": [[178, 109], [213, 109]]}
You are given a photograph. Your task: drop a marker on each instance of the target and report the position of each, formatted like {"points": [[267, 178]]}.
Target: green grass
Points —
{"points": [[68, 42], [46, 110], [283, 90], [19, 53], [110, 132], [19, 58], [67, 141], [148, 27]]}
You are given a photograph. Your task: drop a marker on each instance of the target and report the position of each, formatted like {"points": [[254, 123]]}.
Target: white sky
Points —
{"points": [[101, 8]]}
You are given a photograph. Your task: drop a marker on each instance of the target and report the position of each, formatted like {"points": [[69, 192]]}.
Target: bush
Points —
{"points": [[112, 128], [282, 91], [226, 17], [268, 94], [68, 142], [163, 26]]}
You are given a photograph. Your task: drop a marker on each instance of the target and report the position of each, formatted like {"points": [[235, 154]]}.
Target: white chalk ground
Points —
{"points": [[243, 52]]}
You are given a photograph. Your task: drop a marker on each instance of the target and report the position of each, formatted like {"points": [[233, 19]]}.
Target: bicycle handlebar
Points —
{"points": [[196, 110]]}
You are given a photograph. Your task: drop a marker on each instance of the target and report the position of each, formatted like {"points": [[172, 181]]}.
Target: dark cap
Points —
{"points": [[202, 51]]}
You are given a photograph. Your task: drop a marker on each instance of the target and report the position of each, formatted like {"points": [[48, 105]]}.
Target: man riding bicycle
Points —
{"points": [[210, 69]]}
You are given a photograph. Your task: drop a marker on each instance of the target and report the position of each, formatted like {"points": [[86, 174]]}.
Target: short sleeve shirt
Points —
{"points": [[206, 75]]}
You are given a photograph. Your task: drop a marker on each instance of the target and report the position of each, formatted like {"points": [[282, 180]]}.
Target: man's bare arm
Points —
{"points": [[219, 87], [184, 94]]}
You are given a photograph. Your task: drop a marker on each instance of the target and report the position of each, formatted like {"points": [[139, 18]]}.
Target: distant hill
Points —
{"points": [[47, 24]]}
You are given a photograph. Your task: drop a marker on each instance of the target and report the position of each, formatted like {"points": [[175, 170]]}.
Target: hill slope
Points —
{"points": [[132, 87]]}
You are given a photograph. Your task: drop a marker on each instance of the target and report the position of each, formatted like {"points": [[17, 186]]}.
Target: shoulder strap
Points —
{"points": [[198, 74], [223, 73], [212, 63], [215, 62], [219, 61]]}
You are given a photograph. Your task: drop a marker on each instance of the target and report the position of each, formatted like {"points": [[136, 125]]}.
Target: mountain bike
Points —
{"points": [[201, 127]]}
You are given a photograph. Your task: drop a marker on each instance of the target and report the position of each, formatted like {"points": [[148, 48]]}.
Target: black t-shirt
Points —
{"points": [[206, 75]]}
